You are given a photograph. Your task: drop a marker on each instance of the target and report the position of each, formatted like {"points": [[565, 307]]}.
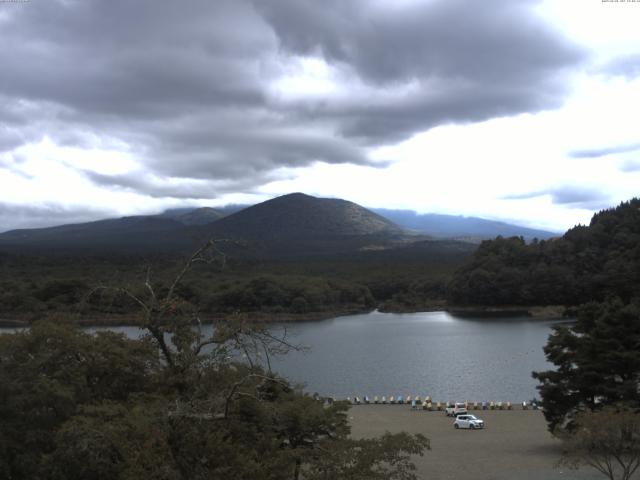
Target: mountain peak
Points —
{"points": [[304, 215], [295, 196]]}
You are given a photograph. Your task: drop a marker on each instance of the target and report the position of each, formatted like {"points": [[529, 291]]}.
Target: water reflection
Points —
{"points": [[431, 353]]}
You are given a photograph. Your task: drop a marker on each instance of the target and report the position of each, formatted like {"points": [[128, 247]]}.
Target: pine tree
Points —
{"points": [[597, 360]]}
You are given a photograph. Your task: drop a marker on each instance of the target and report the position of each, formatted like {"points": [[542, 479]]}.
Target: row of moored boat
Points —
{"points": [[428, 404]]}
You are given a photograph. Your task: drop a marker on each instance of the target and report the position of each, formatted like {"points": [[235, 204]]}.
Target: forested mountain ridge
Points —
{"points": [[136, 233], [586, 263], [290, 224]]}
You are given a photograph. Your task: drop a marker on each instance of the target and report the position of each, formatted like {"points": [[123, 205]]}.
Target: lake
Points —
{"points": [[431, 353]]}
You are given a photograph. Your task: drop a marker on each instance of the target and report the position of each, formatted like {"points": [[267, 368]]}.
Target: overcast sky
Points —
{"points": [[525, 111]]}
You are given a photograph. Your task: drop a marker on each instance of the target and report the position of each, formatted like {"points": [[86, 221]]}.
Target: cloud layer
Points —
{"points": [[198, 95], [428, 63]]}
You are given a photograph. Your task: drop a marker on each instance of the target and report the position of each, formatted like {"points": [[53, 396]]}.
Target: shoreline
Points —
{"points": [[535, 311], [128, 320]]}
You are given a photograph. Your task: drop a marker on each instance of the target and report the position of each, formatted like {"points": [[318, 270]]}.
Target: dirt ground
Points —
{"points": [[514, 445]]}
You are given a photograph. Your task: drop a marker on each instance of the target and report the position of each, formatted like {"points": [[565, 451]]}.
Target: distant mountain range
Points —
{"points": [[294, 224], [452, 226]]}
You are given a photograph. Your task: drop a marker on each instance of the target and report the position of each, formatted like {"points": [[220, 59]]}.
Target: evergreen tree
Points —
{"points": [[597, 362]]}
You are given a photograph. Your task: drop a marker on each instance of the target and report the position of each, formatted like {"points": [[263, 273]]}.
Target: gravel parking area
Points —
{"points": [[514, 444]]}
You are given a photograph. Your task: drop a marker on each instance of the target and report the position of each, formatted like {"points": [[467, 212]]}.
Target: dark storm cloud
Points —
{"points": [[139, 58], [30, 216], [187, 87], [601, 152], [497, 40], [470, 60], [571, 195], [218, 148]]}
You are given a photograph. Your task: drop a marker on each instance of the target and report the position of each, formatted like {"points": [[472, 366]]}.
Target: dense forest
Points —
{"points": [[587, 263], [412, 278]]}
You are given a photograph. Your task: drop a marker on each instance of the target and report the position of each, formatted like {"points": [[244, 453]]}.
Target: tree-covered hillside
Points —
{"points": [[587, 263], [401, 279]]}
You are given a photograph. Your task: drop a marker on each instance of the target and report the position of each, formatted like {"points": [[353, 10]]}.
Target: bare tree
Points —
{"points": [[177, 329], [178, 332], [607, 440]]}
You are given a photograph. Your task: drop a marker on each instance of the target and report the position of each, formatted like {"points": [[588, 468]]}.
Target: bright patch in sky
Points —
{"points": [[474, 169], [305, 77]]}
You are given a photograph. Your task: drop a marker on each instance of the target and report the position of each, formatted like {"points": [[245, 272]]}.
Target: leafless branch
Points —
{"points": [[147, 284], [267, 357], [238, 334], [197, 256]]}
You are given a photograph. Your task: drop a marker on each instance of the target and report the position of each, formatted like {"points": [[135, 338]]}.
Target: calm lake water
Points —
{"points": [[433, 353]]}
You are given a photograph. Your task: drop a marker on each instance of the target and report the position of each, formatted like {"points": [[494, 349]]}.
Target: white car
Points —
{"points": [[468, 421]]}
